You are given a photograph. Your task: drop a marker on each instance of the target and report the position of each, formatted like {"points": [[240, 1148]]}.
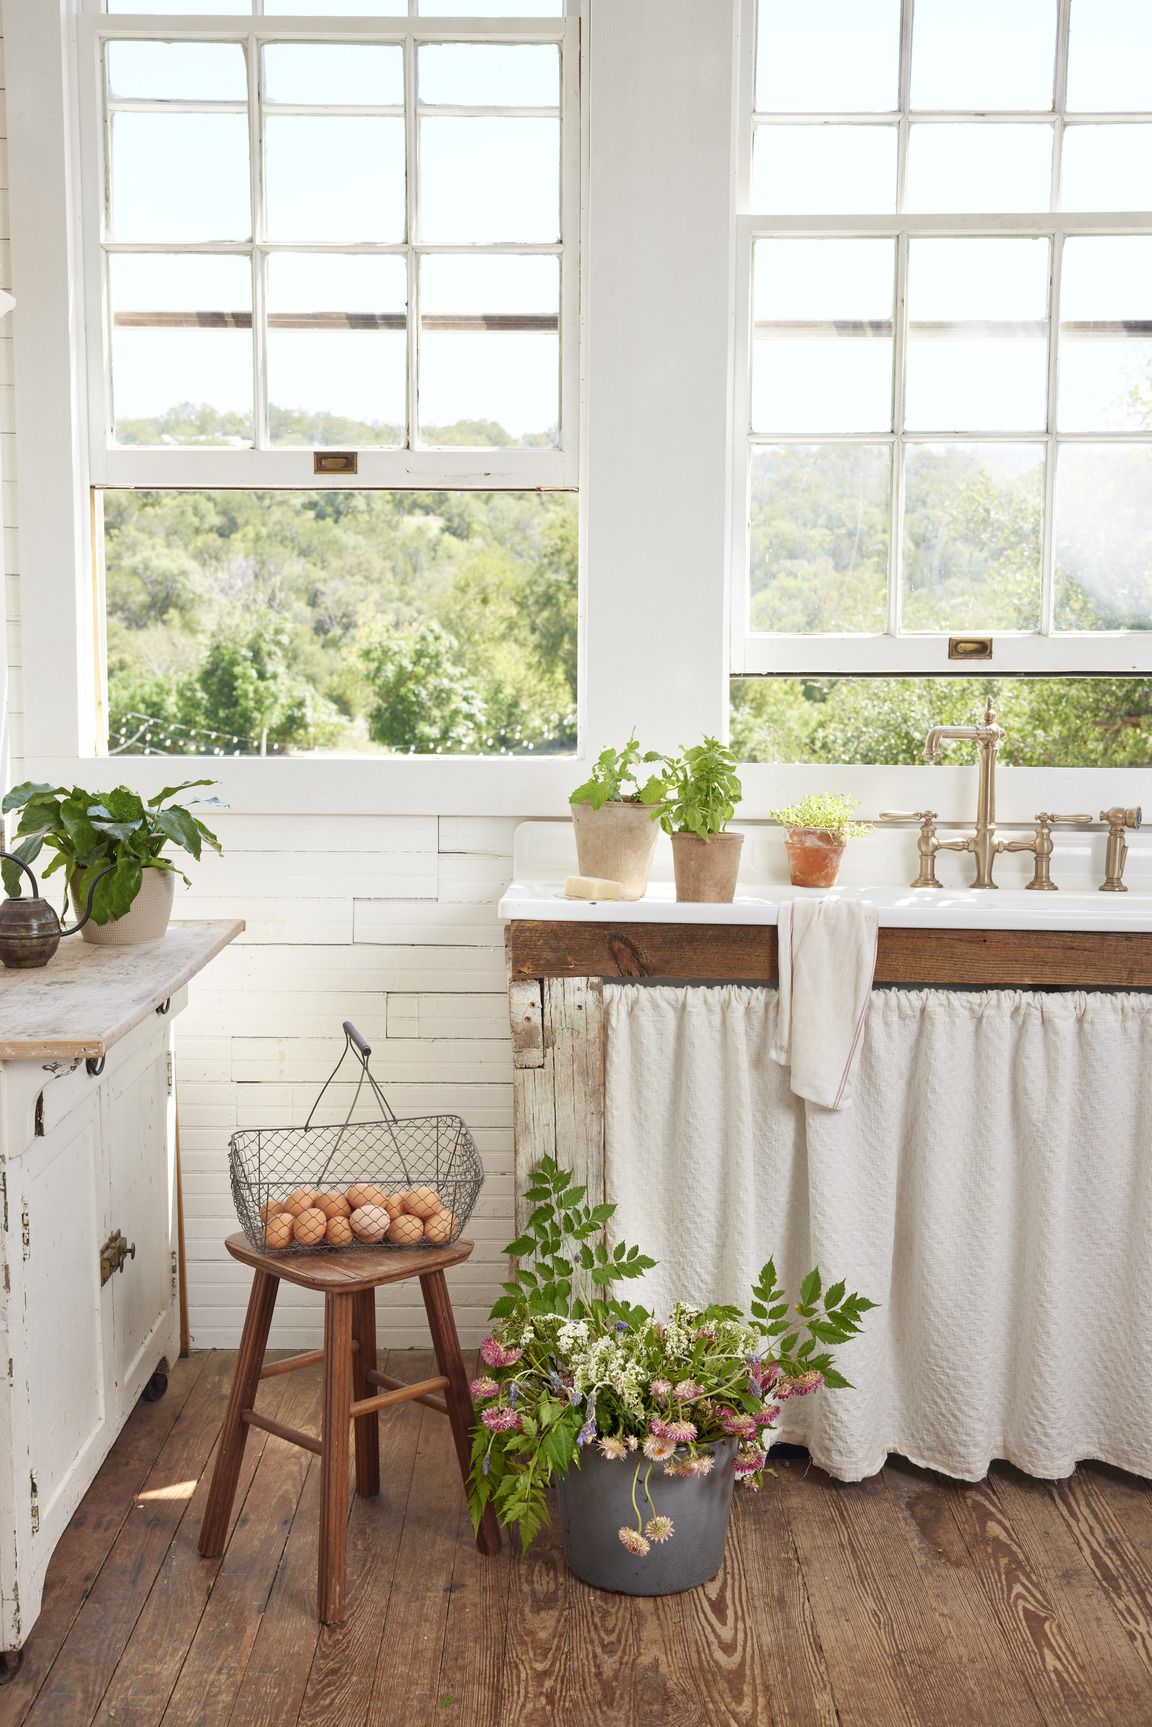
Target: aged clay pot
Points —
{"points": [[814, 856], [146, 918], [706, 869], [616, 843], [596, 1502]]}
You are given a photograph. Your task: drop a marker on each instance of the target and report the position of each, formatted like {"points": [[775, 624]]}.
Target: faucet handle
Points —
{"points": [[1050, 821], [907, 815]]}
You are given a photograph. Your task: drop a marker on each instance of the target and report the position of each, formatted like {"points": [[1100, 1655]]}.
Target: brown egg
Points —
{"points": [[369, 1223], [339, 1232], [440, 1227], [333, 1205], [423, 1202], [278, 1231], [272, 1208], [394, 1204], [405, 1231], [364, 1193], [310, 1226], [300, 1200]]}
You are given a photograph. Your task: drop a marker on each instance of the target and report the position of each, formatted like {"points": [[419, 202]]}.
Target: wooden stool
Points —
{"points": [[348, 1283]]}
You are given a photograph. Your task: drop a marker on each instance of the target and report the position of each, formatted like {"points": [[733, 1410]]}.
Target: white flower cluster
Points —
{"points": [[609, 1361]]}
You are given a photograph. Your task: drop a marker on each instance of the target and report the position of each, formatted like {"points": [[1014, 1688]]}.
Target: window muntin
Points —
{"points": [[920, 452]]}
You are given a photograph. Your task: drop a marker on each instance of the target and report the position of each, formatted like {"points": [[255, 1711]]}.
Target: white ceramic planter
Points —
{"points": [[615, 843], [146, 918]]}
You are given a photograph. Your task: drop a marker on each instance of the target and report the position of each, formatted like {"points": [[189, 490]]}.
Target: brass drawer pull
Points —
{"points": [[113, 1254]]}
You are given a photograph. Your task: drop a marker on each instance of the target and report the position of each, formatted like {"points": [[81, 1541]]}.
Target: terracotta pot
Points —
{"points": [[146, 918], [595, 1502], [706, 869], [616, 843], [814, 856]]}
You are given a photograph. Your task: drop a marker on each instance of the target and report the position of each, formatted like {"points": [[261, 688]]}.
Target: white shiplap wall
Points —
{"points": [[389, 921]]}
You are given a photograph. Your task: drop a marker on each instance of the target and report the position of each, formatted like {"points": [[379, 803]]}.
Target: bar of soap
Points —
{"points": [[591, 887]]}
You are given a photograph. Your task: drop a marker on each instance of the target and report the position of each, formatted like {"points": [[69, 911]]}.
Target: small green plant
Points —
{"points": [[89, 830], [826, 812], [615, 769], [703, 790]]}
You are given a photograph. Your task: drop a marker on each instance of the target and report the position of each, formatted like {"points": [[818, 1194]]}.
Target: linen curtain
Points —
{"points": [[990, 1187]]}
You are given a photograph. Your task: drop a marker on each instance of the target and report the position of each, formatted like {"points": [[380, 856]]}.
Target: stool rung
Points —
{"points": [[308, 1441], [292, 1362], [405, 1394], [389, 1384]]}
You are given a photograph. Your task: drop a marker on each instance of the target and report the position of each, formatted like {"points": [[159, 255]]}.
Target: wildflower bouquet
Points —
{"points": [[571, 1365]]}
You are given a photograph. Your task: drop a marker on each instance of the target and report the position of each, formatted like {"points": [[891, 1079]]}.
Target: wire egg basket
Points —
{"points": [[394, 1182]]}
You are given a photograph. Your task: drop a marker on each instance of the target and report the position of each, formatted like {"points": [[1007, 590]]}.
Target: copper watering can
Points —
{"points": [[30, 930]]}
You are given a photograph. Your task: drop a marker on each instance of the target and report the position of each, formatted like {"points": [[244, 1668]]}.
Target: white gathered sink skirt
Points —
{"points": [[990, 1187]]}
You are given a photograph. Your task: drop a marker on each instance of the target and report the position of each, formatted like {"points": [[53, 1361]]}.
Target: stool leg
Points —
{"points": [[337, 1420], [367, 1426], [234, 1434], [446, 1343]]}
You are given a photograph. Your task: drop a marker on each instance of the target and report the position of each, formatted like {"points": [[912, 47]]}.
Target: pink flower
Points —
{"points": [[613, 1449], [659, 1449], [748, 1461], [702, 1465], [801, 1385], [483, 1387], [661, 1388], [494, 1354], [677, 1466], [659, 1528], [767, 1415], [631, 1442], [634, 1542], [501, 1419], [683, 1432], [657, 1427], [687, 1389], [739, 1426]]}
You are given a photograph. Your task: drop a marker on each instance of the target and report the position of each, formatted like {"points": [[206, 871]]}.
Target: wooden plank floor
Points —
{"points": [[906, 1599]]}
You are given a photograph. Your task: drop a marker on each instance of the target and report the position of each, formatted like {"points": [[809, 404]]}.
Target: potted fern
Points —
{"points": [[816, 830], [644, 1425], [703, 791], [614, 817], [90, 830]]}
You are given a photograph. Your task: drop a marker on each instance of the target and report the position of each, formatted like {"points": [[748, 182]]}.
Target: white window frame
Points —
{"points": [[548, 469], [1121, 653]]}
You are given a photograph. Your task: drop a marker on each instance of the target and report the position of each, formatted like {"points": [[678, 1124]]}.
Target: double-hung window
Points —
{"points": [[944, 401], [332, 316]]}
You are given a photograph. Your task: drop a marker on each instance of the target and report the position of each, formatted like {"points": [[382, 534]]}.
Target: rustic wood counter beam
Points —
{"points": [[87, 997], [746, 953]]}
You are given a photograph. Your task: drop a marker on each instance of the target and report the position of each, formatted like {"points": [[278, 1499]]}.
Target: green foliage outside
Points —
{"points": [[350, 621]]}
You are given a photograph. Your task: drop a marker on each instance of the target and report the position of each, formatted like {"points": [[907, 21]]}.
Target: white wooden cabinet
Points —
{"points": [[87, 1154]]}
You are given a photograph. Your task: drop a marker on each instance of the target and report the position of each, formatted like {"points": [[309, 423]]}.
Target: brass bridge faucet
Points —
{"points": [[982, 844]]}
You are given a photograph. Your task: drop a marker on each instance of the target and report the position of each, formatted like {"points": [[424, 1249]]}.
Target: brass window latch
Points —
{"points": [[113, 1255], [1118, 818]]}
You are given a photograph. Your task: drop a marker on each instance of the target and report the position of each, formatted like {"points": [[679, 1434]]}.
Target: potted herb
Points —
{"points": [[643, 1425], [90, 830], [703, 791], [815, 834], [614, 817]]}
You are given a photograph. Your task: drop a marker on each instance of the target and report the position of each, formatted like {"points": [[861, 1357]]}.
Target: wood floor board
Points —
{"points": [[907, 1600]]}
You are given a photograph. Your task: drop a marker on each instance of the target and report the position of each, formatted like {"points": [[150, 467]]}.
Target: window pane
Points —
{"points": [[182, 8], [983, 54], [341, 623], [1103, 537], [972, 515], [818, 538], [1105, 370], [475, 75], [177, 71], [977, 348], [974, 167], [1107, 167], [489, 179], [489, 350], [820, 170], [1109, 53], [306, 200], [181, 348], [337, 371], [1048, 723], [822, 354], [490, 9], [827, 56], [346, 74], [179, 177], [336, 8]]}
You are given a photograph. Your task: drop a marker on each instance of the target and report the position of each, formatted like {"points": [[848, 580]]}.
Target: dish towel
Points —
{"points": [[827, 960]]}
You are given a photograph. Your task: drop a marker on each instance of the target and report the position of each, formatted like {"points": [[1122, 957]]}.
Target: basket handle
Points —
{"points": [[354, 1036], [353, 1041]]}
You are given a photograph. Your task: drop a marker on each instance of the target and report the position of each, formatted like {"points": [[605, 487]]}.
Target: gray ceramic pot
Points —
{"points": [[596, 1502]]}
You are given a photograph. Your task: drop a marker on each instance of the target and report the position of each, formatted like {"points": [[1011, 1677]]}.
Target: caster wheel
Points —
{"points": [[155, 1388], [10, 1660]]}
